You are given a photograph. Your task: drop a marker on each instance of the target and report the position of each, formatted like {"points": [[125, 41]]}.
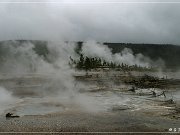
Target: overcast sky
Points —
{"points": [[100, 20]]}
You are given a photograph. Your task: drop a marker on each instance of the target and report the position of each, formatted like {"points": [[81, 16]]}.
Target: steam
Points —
{"points": [[19, 59], [6, 99], [126, 56]]}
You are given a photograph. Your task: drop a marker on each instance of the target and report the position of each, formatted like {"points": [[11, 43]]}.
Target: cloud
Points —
{"points": [[91, 20]]}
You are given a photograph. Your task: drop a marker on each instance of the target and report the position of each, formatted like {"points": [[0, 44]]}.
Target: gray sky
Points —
{"points": [[100, 20]]}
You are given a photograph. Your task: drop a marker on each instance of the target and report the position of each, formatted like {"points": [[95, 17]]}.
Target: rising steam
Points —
{"points": [[126, 56], [21, 59]]}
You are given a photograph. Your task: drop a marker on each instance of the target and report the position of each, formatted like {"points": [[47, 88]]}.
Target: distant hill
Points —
{"points": [[169, 53]]}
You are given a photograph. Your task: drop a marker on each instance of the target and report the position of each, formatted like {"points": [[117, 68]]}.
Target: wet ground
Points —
{"points": [[95, 108]]}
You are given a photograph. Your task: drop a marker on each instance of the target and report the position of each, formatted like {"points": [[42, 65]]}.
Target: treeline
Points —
{"points": [[89, 63], [169, 53]]}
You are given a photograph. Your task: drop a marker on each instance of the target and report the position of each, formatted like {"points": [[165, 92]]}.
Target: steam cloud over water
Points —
{"points": [[19, 59]]}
